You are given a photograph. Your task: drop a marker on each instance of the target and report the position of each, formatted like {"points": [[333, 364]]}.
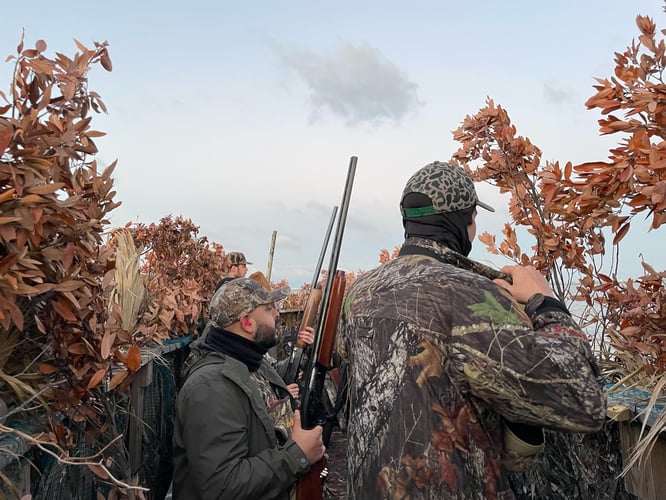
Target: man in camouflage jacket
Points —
{"points": [[446, 355], [236, 434]]}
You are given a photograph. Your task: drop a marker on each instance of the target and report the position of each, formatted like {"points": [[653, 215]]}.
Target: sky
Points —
{"points": [[243, 116]]}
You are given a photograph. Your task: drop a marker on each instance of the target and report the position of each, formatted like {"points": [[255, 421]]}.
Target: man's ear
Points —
{"points": [[246, 323]]}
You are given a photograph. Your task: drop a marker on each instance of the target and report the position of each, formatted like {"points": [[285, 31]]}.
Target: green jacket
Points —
{"points": [[440, 357], [225, 443]]}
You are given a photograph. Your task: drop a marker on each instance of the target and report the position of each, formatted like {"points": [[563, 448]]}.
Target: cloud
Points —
{"points": [[557, 95], [356, 83]]}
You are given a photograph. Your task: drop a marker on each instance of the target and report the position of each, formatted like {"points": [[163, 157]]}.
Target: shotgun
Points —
{"points": [[313, 412]]}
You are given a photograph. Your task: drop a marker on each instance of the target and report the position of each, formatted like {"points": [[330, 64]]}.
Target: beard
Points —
{"points": [[266, 335]]}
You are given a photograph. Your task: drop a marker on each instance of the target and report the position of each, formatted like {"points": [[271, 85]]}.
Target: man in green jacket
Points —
{"points": [[454, 371], [236, 434]]}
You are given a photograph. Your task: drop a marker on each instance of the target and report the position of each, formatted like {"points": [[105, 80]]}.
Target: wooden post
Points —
{"points": [[270, 257], [143, 378]]}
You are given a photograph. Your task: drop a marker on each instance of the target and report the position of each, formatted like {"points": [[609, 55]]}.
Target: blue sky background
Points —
{"points": [[242, 116]]}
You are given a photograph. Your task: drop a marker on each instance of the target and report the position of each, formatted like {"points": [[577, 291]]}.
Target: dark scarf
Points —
{"points": [[448, 229], [240, 348]]}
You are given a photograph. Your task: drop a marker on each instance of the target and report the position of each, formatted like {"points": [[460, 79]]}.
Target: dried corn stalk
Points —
{"points": [[130, 290]]}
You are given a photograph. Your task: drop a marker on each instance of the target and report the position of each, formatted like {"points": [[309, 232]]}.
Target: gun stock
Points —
{"points": [[325, 354], [313, 411], [310, 313], [309, 318], [311, 486]]}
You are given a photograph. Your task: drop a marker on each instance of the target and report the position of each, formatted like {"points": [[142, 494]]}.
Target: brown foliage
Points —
{"points": [[639, 316], [181, 271], [55, 272], [384, 255], [539, 197], [636, 173], [569, 210]]}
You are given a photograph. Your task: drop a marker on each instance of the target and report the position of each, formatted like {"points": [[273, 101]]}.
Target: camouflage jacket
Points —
{"points": [[439, 357]]}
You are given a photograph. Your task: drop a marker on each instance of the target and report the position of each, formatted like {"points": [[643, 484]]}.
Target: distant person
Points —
{"points": [[236, 265], [236, 433], [454, 372]]}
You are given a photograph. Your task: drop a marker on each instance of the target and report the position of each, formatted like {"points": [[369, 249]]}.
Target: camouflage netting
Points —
{"points": [[18, 474], [159, 414], [59, 480], [54, 480], [576, 466]]}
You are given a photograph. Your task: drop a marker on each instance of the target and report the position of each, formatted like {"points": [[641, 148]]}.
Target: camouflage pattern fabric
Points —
{"points": [[447, 185], [239, 296], [439, 357], [280, 410], [236, 259]]}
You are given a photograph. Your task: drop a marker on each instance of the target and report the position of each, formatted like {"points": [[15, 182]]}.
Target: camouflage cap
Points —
{"points": [[236, 259], [239, 296], [447, 185]]}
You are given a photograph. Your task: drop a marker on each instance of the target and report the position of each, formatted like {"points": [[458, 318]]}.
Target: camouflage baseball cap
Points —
{"points": [[236, 259], [239, 296], [448, 187]]}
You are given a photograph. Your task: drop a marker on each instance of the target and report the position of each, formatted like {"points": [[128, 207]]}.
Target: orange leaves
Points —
{"points": [[64, 308], [107, 344], [133, 360], [6, 133], [79, 348], [99, 471], [117, 379], [569, 211], [639, 162], [105, 60], [97, 378], [183, 270], [489, 240], [639, 308], [647, 28], [385, 257], [621, 233], [54, 273], [47, 369]]}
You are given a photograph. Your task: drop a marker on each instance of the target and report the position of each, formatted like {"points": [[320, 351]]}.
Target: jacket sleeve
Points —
{"points": [[216, 435], [533, 366]]}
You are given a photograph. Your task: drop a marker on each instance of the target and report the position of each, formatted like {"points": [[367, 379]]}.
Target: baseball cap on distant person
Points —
{"points": [[238, 296], [236, 259], [448, 187]]}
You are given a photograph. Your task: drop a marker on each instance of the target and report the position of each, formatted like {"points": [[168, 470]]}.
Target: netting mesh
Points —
{"points": [[19, 474], [51, 479], [158, 414]]}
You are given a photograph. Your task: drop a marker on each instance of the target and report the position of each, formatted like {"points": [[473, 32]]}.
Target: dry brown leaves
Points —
{"points": [[55, 272], [569, 209], [181, 270]]}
